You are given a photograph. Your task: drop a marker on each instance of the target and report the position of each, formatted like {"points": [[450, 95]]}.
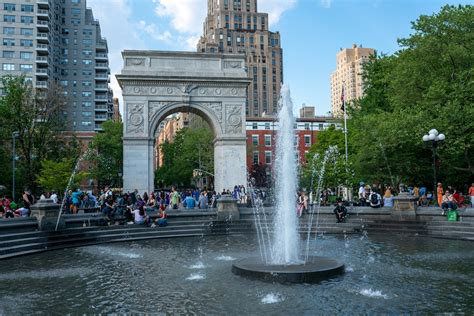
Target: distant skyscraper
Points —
{"points": [[235, 26], [348, 72], [59, 41]]}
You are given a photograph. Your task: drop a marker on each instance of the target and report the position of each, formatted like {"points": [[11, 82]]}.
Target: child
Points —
{"points": [[340, 211]]}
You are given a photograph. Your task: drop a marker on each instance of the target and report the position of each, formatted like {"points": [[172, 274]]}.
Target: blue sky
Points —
{"points": [[312, 32]]}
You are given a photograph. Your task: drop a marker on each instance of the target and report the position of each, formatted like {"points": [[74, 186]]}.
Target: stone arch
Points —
{"points": [[156, 84], [202, 109]]}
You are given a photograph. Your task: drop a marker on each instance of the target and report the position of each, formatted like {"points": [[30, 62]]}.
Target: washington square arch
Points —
{"points": [[156, 84]]}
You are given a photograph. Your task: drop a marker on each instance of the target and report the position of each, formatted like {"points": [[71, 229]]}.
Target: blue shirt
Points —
{"points": [[189, 201]]}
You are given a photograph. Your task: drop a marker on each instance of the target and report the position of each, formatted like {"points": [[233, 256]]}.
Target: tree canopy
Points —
{"points": [[191, 149], [427, 84]]}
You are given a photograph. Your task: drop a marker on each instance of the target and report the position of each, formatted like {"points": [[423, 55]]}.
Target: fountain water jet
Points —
{"points": [[284, 263]]}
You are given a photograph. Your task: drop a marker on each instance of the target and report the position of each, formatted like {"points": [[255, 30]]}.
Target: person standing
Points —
{"points": [[28, 199], [471, 194], [174, 198], [439, 194]]}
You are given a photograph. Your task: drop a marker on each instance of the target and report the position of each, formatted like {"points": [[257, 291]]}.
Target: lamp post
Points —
{"points": [[434, 138], [14, 136]]}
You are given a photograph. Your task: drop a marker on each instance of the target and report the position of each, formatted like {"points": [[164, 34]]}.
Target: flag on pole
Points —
{"points": [[342, 100]]}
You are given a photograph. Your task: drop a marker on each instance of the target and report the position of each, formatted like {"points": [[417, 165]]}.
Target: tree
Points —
{"points": [[35, 115], [326, 160], [105, 154], [55, 176], [427, 84], [191, 149]]}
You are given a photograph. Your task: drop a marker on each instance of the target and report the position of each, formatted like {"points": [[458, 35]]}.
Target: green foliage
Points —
{"points": [[427, 84], [327, 156], [191, 149], [106, 154], [55, 176], [35, 116]]}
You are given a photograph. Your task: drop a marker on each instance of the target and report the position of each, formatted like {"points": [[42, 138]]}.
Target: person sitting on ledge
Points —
{"points": [[189, 201], [340, 211], [161, 220], [140, 216], [388, 199], [447, 202], [375, 200]]}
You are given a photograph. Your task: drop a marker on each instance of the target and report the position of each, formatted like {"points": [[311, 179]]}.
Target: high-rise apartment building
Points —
{"points": [[348, 73], [235, 26], [59, 41]]}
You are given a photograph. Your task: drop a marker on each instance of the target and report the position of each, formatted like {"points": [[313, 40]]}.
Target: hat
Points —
{"points": [[361, 183]]}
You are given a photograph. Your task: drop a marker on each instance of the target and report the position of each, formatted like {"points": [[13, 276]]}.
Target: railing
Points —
{"points": [[43, 12]]}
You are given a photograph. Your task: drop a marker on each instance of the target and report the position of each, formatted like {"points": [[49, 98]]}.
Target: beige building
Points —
{"points": [[236, 26], [348, 72], [307, 112]]}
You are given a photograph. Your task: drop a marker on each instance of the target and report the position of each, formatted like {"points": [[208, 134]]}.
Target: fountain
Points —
{"points": [[282, 261]]}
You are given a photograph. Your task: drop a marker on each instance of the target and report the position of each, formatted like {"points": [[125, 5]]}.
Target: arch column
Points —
{"points": [[138, 164], [230, 166]]}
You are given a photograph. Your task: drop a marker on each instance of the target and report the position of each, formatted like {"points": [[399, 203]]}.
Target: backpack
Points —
{"points": [[374, 198]]}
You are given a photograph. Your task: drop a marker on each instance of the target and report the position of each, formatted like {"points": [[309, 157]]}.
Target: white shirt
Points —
{"points": [[361, 192], [54, 197], [138, 217]]}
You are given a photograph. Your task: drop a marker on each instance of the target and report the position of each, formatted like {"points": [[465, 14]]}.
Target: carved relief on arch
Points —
{"points": [[135, 118], [233, 122]]}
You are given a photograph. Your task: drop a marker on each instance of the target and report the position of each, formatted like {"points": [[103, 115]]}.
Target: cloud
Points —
{"points": [[152, 30], [116, 26], [326, 3], [275, 8], [187, 16]]}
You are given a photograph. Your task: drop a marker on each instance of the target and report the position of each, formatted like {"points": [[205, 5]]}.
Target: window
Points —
{"points": [[86, 83], [306, 126], [87, 61], [26, 68], [307, 140], [267, 125], [86, 104], [76, 1], [268, 140], [26, 43], [255, 158], [87, 52], [87, 113], [8, 18], [268, 157], [87, 72], [8, 54], [75, 11], [87, 41], [26, 8], [87, 32], [86, 93], [26, 55], [321, 127], [9, 30], [86, 123], [254, 125], [26, 31], [27, 19], [75, 21], [255, 140], [63, 83], [9, 6], [8, 42], [8, 67]]}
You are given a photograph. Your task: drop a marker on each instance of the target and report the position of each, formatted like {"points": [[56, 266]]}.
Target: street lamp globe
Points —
{"points": [[431, 136], [434, 132], [441, 137], [426, 138]]}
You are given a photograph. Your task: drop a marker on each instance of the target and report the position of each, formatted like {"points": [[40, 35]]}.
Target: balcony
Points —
{"points": [[41, 60], [41, 72], [103, 66], [43, 37], [40, 13], [42, 25], [98, 128], [102, 77], [41, 84], [42, 47], [43, 3], [101, 98], [101, 108], [102, 56], [101, 87], [101, 117]]}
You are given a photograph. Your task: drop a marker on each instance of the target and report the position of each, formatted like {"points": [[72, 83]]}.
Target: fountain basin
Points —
{"points": [[315, 270]]}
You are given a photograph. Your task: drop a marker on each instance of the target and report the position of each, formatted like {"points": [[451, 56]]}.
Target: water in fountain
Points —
{"points": [[262, 228], [69, 183], [330, 152], [286, 239]]}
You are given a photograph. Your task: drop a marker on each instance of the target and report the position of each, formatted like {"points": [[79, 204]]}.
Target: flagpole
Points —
{"points": [[345, 136]]}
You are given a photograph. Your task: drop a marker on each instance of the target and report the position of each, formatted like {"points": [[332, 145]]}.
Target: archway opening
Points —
{"points": [[184, 149]]}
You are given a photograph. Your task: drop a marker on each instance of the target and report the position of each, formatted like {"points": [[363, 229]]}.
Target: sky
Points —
{"points": [[312, 33]]}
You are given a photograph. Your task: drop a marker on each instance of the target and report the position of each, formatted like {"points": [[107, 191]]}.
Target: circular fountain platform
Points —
{"points": [[316, 269]]}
